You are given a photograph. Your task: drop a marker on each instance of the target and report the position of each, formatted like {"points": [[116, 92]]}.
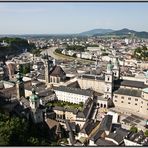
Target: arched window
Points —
{"points": [[101, 105], [104, 105]]}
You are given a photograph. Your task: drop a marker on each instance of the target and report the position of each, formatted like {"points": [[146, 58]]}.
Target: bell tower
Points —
{"points": [[109, 81], [116, 69], [20, 85], [47, 69], [34, 100], [36, 112]]}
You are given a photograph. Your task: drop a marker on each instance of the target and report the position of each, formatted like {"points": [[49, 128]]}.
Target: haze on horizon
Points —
{"points": [[72, 17]]}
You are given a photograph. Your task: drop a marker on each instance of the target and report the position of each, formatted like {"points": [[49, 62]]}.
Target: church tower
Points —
{"points": [[109, 81], [20, 85], [116, 69], [47, 69], [36, 112]]}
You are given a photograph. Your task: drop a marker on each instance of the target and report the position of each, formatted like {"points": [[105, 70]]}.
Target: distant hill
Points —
{"points": [[110, 32], [126, 31], [96, 31]]}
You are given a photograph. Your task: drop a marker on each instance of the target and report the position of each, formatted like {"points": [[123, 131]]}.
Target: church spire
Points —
{"points": [[19, 76], [116, 63], [109, 67], [20, 85]]}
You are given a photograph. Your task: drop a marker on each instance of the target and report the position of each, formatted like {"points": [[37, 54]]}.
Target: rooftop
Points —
{"points": [[128, 92], [57, 71], [93, 77], [74, 90], [129, 83]]}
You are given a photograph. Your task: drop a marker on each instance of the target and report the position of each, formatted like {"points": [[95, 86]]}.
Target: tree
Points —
{"points": [[25, 68], [134, 129], [146, 133], [12, 130], [16, 131], [141, 53], [81, 104]]}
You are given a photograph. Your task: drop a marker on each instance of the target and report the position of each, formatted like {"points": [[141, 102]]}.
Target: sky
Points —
{"points": [[72, 17]]}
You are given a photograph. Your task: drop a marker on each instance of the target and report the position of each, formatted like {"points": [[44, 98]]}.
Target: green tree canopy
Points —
{"points": [[141, 53], [146, 133], [16, 131], [134, 129]]}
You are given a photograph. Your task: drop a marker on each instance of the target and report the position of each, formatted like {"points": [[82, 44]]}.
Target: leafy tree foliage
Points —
{"points": [[20, 132], [25, 68], [134, 129], [75, 48], [16, 46], [146, 133], [141, 53]]}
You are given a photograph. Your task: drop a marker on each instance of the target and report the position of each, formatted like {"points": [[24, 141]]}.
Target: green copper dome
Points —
{"points": [[34, 96]]}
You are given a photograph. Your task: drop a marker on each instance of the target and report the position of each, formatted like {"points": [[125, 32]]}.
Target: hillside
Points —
{"points": [[110, 32], [96, 31], [126, 31], [13, 46]]}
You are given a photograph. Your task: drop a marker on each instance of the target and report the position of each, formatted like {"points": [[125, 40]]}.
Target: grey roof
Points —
{"points": [[80, 114], [103, 142], [119, 135], [74, 85], [74, 90], [87, 109], [128, 92], [71, 135], [137, 137], [97, 135], [40, 87], [89, 76], [106, 123], [41, 76], [25, 102], [57, 71], [89, 126], [136, 84], [45, 93]]}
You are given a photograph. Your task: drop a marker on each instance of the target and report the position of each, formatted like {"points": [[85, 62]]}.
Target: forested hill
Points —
{"points": [[14, 46]]}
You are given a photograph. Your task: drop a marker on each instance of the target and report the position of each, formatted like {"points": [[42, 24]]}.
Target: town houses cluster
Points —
{"points": [[110, 92]]}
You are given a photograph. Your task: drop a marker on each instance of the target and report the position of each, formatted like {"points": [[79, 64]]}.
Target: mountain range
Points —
{"points": [[110, 32]]}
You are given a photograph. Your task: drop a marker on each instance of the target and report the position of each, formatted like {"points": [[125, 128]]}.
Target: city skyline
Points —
{"points": [[71, 18]]}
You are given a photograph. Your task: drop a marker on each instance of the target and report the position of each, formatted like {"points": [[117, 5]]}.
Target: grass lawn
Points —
{"points": [[66, 105]]}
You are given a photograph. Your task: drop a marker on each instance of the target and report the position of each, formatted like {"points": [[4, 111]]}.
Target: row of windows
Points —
{"points": [[129, 103], [128, 98], [123, 102]]}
